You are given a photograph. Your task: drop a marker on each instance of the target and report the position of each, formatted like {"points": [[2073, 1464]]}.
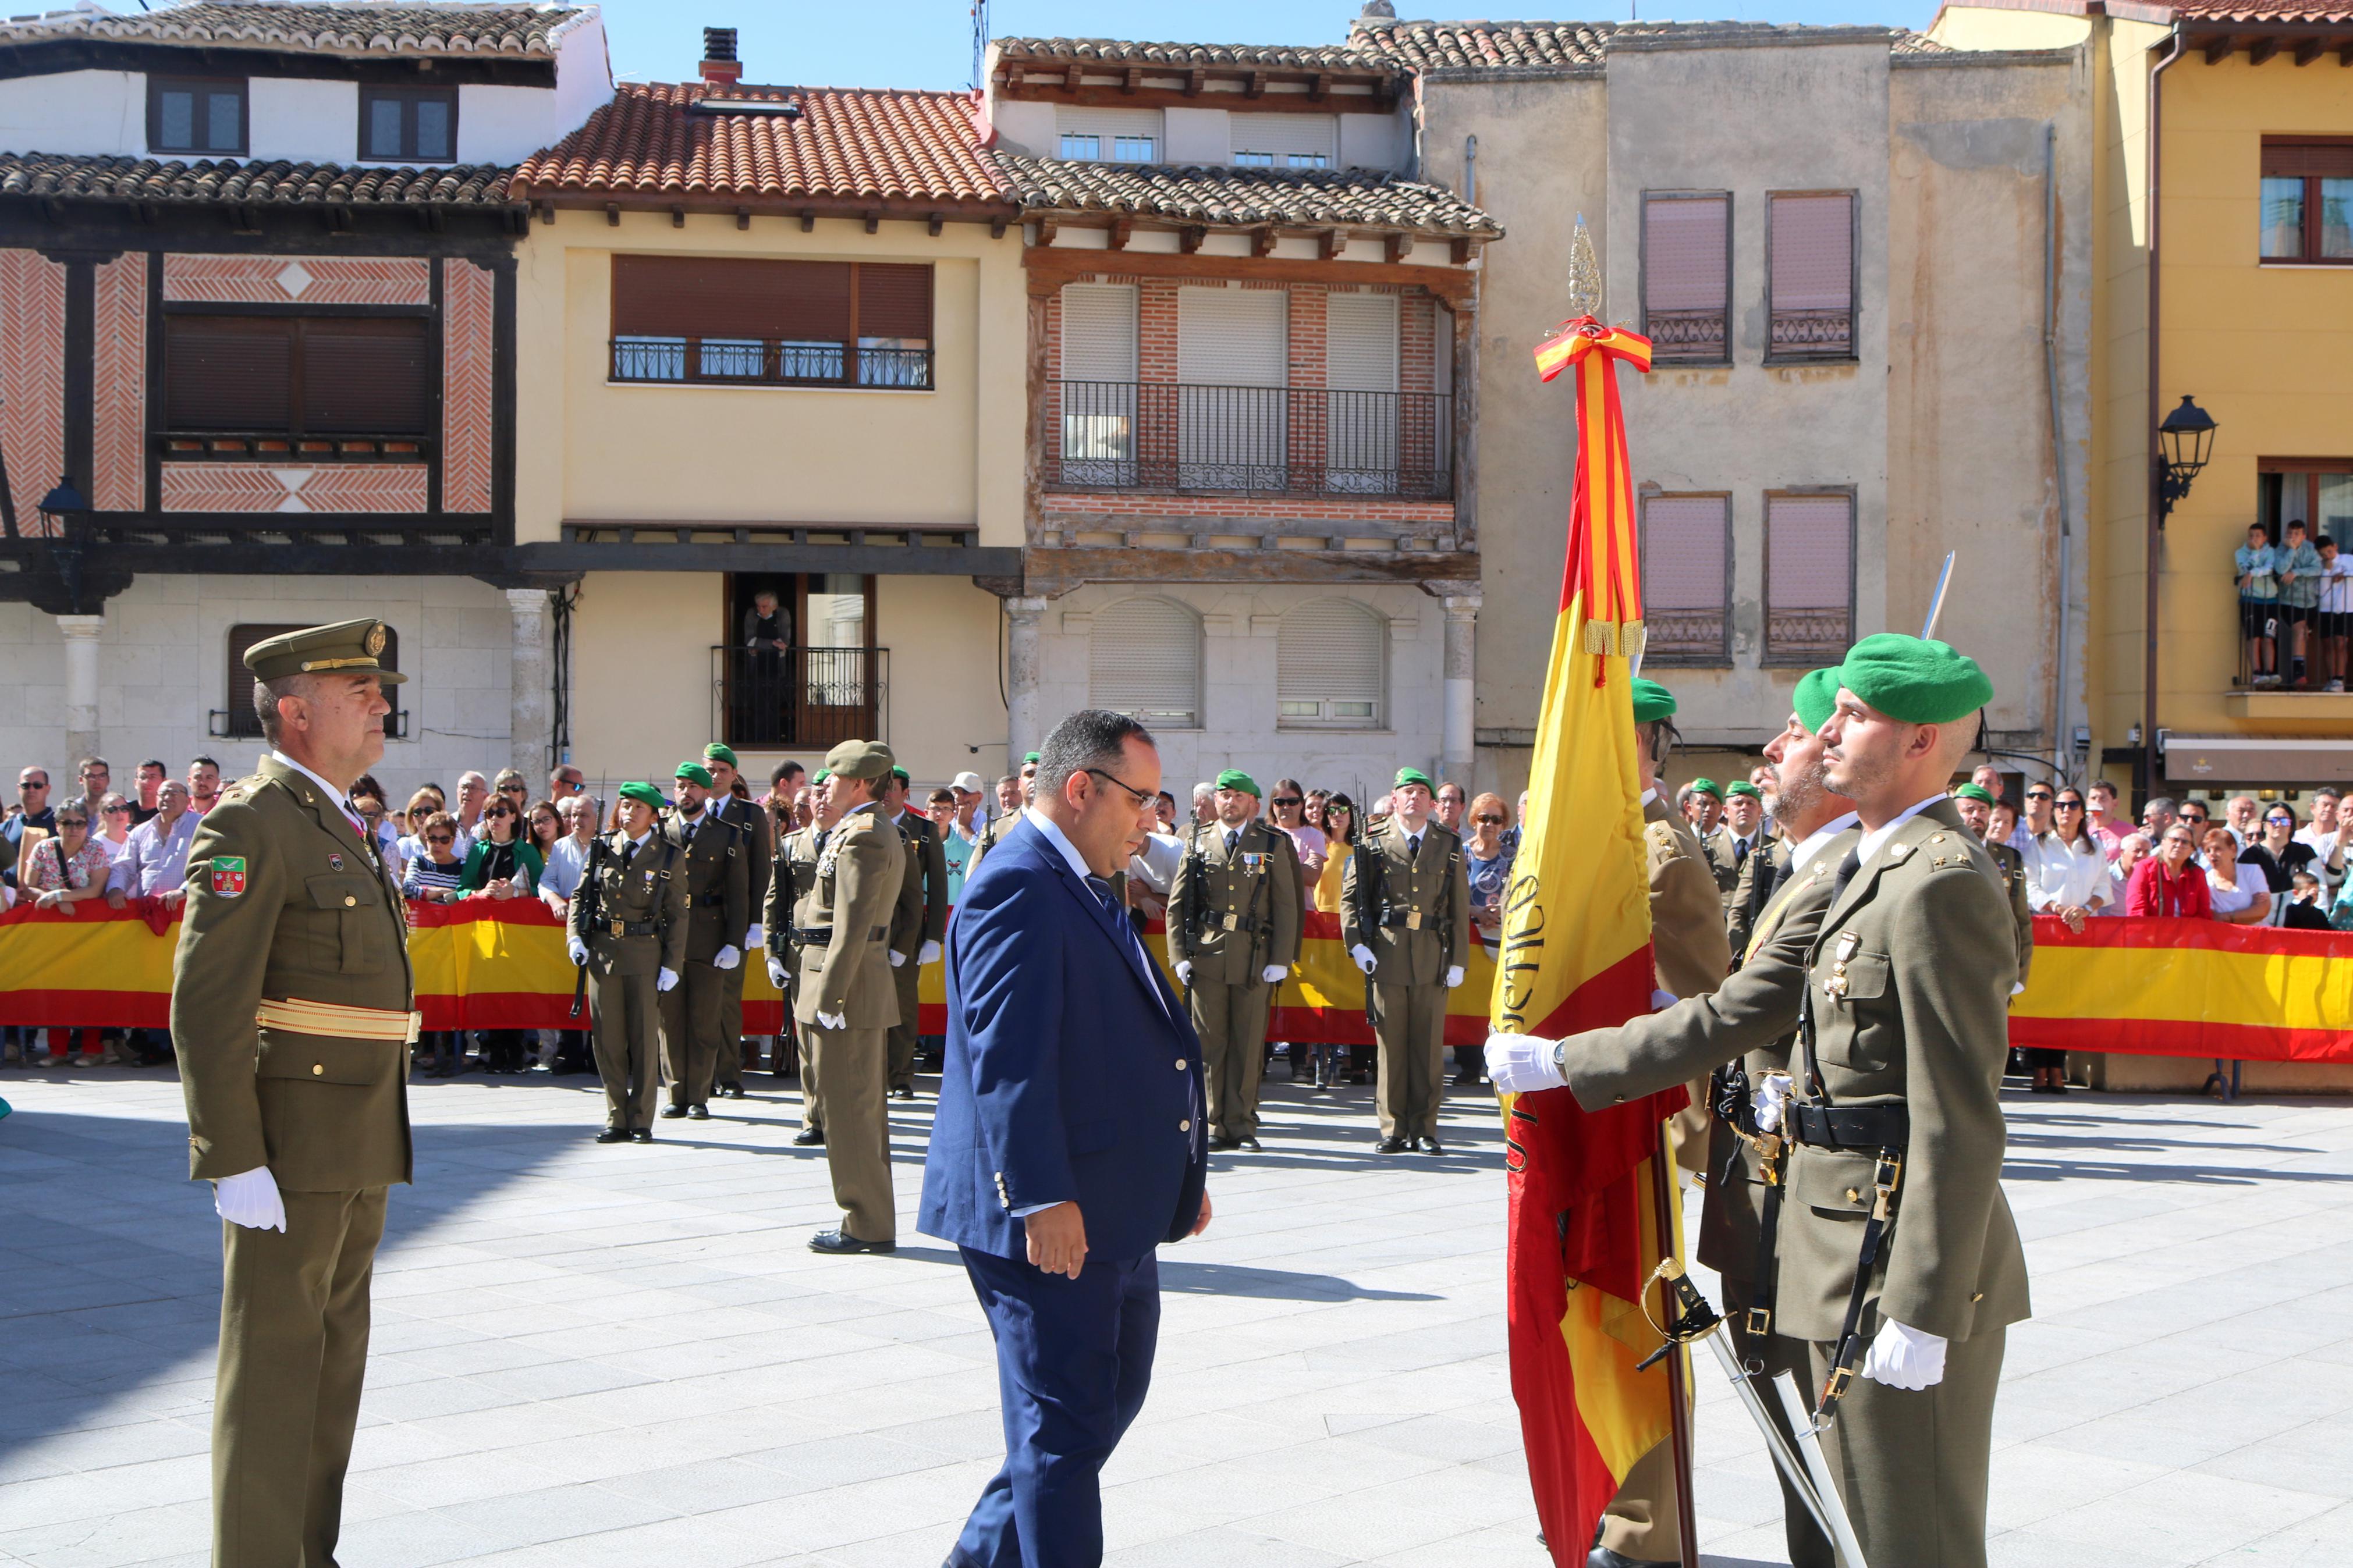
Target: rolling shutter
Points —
{"points": [[325, 375], [1329, 665], [1686, 276], [894, 301], [367, 377], [229, 372], [1686, 577], [1809, 577], [1813, 252], [1099, 332], [2308, 160], [1145, 661], [1232, 337], [699, 297], [1360, 408], [1360, 342], [1310, 136]]}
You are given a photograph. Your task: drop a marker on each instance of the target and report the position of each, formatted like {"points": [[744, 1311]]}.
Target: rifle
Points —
{"points": [[589, 890], [1187, 912], [1369, 902]]}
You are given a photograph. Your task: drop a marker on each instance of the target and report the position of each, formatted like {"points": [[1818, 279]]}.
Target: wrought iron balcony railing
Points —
{"points": [[1812, 334], [799, 697], [768, 361], [1249, 440]]}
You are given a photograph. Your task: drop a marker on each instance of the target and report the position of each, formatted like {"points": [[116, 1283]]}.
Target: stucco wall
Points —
{"points": [[84, 112], [303, 121]]}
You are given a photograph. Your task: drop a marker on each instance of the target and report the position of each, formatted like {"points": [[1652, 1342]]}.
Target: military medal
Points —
{"points": [[334, 862], [1835, 986]]}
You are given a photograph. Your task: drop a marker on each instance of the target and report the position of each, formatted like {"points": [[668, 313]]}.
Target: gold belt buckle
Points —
{"points": [[1413, 920], [1228, 922], [616, 927]]}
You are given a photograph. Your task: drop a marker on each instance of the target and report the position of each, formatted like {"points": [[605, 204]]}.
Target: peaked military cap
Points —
{"points": [[1652, 701], [859, 759], [1234, 778], [644, 794], [346, 648], [1816, 697], [1915, 680]]}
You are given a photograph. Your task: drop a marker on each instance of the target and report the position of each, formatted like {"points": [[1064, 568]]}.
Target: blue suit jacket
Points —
{"points": [[1073, 1072]]}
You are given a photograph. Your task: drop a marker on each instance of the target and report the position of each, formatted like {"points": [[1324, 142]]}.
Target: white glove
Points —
{"points": [[1663, 1000], [579, 951], [727, 957], [1184, 972], [666, 979], [1521, 1064], [928, 953], [756, 937], [776, 976], [1364, 957], [898, 959], [1273, 973], [251, 1199], [1768, 1098], [1905, 1358], [1453, 977], [835, 1021]]}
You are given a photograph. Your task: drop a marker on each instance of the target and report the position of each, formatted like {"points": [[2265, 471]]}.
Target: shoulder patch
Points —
{"points": [[1661, 835]]}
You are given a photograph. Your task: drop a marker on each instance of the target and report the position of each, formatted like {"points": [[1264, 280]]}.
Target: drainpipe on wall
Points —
{"points": [[1471, 171], [2155, 529], [2060, 738]]}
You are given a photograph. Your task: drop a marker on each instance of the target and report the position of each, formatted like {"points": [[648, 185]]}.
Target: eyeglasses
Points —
{"points": [[2071, 805], [1488, 821], [2038, 795], [116, 810], [1287, 800], [2281, 821], [73, 822], [439, 838], [1142, 798]]}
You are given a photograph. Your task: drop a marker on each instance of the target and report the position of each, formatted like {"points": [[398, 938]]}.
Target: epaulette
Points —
{"points": [[1375, 823], [1661, 835]]}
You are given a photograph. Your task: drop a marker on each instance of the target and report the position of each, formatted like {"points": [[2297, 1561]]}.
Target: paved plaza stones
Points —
{"points": [[622, 1355]]}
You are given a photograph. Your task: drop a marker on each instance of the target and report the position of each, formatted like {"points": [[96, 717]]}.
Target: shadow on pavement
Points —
{"points": [[1222, 1279]]}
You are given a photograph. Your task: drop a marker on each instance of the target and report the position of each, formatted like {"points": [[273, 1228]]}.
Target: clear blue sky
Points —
{"points": [[928, 43]]}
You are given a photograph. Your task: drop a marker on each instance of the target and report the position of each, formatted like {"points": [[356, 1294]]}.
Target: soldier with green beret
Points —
{"points": [[919, 922], [1975, 802], [787, 923], [716, 868], [1234, 917], [293, 1009], [627, 925], [1810, 707], [751, 819], [1735, 840], [844, 997], [1405, 917]]}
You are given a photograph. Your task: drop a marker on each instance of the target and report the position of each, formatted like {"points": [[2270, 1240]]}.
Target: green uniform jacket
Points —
{"points": [[933, 860], [647, 889], [759, 844], [857, 881], [1757, 873], [794, 874], [1256, 885], [718, 876], [1433, 885], [1911, 976], [1687, 941], [285, 903], [2010, 866]]}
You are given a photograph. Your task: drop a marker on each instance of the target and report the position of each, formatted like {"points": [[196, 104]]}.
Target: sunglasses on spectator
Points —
{"points": [[2038, 795], [1495, 821], [73, 822], [1287, 800], [441, 838], [2071, 805], [2281, 821]]}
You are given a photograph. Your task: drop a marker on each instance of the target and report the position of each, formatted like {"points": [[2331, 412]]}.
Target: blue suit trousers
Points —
{"points": [[1073, 1361]]}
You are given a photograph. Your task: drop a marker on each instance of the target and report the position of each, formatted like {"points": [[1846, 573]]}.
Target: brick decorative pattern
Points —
{"points": [[466, 351], [325, 488], [120, 377], [32, 378], [304, 279], [1197, 514]]}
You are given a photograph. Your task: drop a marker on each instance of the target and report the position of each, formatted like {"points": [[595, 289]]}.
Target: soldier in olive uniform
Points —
{"points": [[1974, 803], [1405, 915], [787, 922], [293, 1007], [759, 830], [627, 927], [997, 826], [716, 869], [844, 998], [1233, 933], [923, 905]]}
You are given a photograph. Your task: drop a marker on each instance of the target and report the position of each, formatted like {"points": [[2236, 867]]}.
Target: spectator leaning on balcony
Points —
{"points": [[2254, 563], [2170, 882], [2236, 892], [2298, 564], [154, 861], [2332, 624], [114, 825]]}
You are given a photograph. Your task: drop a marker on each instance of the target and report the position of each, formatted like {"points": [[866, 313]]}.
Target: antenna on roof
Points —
{"points": [[979, 42]]}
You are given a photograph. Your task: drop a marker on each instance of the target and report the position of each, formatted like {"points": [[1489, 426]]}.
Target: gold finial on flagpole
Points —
{"points": [[1584, 274]]}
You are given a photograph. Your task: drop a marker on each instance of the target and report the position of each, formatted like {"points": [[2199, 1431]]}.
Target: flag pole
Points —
{"points": [[1679, 1414]]}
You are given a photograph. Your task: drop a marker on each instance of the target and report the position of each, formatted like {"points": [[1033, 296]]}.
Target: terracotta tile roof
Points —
{"points": [[843, 144], [2210, 11], [1910, 43], [1127, 52], [1578, 46], [355, 27], [228, 180], [1245, 198]]}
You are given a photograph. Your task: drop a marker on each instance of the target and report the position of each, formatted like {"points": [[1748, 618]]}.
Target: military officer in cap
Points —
{"points": [[716, 868], [919, 920], [1002, 824], [786, 922], [293, 1009], [1405, 915], [844, 998], [1974, 803], [1234, 910], [752, 820], [627, 927]]}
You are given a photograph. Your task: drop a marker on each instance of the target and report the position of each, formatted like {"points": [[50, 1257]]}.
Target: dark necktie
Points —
{"points": [[1847, 868], [1780, 880], [1412, 845], [1233, 836], [1739, 853]]}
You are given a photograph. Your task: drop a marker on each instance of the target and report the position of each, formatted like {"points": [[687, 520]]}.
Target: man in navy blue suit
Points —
{"points": [[1065, 1149]]}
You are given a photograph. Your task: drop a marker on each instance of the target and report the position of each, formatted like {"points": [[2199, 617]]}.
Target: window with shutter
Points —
{"points": [[1360, 405], [2307, 200], [1284, 140], [1809, 577], [1145, 661], [291, 376], [1232, 360], [1098, 385], [1810, 250], [1687, 579], [1331, 662], [698, 319], [1116, 135], [1687, 276]]}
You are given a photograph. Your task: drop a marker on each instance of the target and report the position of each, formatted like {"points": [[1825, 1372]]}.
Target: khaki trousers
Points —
{"points": [[1913, 1465], [1641, 1521], [1809, 1547], [1410, 1037], [1232, 1022], [624, 1011], [849, 1067], [903, 1031], [812, 1094], [690, 1023], [293, 1354], [728, 1067]]}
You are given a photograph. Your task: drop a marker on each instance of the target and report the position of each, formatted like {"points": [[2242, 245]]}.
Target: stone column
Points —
{"points": [[531, 728], [81, 633], [1023, 728], [1456, 756]]}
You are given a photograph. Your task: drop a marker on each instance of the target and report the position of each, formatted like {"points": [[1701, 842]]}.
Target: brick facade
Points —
{"points": [[298, 280], [32, 378], [295, 487], [465, 387], [118, 478]]}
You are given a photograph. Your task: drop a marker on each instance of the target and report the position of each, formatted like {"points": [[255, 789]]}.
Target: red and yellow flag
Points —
{"points": [[1575, 956]]}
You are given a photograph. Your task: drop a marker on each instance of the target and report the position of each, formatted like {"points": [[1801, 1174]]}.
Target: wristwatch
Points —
{"points": [[1560, 1059]]}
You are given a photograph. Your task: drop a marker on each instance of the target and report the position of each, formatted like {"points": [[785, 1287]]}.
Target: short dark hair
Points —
{"points": [[153, 763], [940, 797], [783, 771], [1090, 738], [202, 760], [266, 696], [1658, 737]]}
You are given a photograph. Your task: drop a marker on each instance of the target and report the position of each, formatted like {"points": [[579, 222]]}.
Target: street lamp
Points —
{"points": [[2187, 438], [63, 512]]}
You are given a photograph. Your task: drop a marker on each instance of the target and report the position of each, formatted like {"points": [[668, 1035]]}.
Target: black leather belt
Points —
{"points": [[1866, 1129], [1880, 1131], [1406, 920], [823, 935], [711, 901], [628, 928]]}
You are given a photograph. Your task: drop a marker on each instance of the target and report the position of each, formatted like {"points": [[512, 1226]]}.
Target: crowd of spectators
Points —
{"points": [[2296, 609]]}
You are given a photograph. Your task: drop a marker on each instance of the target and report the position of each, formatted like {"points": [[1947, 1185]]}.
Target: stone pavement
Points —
{"points": [[626, 1356]]}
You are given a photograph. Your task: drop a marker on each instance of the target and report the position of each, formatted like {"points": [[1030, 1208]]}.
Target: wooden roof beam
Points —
{"points": [[1132, 80], [1401, 246], [1334, 246], [1122, 230], [1262, 241], [2262, 50], [1188, 239], [2220, 49], [2308, 51], [1194, 79]]}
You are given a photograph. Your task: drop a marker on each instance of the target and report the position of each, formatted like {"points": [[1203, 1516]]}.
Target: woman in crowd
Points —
{"points": [[2168, 883], [546, 828], [65, 870], [114, 826], [2277, 857], [369, 804], [422, 806], [1339, 830], [502, 865], [1487, 856], [2236, 891], [436, 875], [1287, 808]]}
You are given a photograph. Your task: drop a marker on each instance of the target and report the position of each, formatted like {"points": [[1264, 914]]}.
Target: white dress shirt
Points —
{"points": [[1077, 865], [1812, 846], [1877, 836], [2059, 876]]}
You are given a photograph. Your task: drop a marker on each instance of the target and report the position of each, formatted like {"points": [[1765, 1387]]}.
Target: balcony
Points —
{"points": [[1687, 337], [1260, 441], [802, 698], [770, 362], [1810, 335]]}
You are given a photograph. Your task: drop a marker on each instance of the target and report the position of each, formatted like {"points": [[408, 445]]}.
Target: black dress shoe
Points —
{"points": [[673, 1111], [699, 1112], [1430, 1146], [810, 1138], [734, 1088], [1393, 1146], [614, 1135], [904, 1092], [643, 1134], [842, 1241], [1221, 1143], [1249, 1144]]}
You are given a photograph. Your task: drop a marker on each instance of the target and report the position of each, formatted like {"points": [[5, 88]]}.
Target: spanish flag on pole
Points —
{"points": [[1575, 955]]}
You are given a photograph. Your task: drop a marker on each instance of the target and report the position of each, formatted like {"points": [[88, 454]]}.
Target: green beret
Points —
{"points": [[859, 759], [1412, 776], [693, 772], [1707, 786], [716, 752], [1652, 701], [1234, 778], [1816, 697], [820, 777], [1031, 757], [644, 793], [1743, 788], [1915, 680], [901, 774], [1976, 791], [347, 648]]}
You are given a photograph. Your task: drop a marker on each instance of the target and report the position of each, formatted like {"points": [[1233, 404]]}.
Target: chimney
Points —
{"points": [[720, 66]]}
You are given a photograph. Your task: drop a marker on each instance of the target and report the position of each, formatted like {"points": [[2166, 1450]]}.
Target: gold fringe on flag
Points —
{"points": [[1615, 639]]}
